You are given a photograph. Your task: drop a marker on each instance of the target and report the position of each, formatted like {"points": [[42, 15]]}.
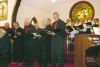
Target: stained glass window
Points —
{"points": [[82, 10], [3, 9]]}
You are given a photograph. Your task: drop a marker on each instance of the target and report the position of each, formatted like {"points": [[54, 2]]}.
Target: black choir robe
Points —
{"points": [[70, 29], [4, 51], [28, 46], [88, 31], [9, 33], [37, 44], [57, 44], [45, 46], [48, 42], [81, 27], [18, 45]]}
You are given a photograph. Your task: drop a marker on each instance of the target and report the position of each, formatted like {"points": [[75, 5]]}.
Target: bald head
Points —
{"points": [[7, 25], [27, 22]]}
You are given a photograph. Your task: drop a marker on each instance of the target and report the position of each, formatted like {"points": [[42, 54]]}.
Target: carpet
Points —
{"points": [[69, 58], [35, 65]]}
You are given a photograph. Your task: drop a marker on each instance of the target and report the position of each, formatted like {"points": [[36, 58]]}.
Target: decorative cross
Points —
{"points": [[3, 8]]}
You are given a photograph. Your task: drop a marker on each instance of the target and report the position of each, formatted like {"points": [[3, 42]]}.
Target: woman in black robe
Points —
{"points": [[9, 33], [48, 37]]}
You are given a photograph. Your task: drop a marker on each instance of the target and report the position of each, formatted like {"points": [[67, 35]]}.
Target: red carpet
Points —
{"points": [[35, 65], [69, 58]]}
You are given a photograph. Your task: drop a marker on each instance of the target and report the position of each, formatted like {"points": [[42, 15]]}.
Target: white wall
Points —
{"points": [[11, 4], [27, 11]]}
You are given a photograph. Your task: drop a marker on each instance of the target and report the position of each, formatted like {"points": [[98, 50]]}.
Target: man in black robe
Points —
{"points": [[57, 44], [4, 48], [28, 44], [18, 45], [9, 33]]}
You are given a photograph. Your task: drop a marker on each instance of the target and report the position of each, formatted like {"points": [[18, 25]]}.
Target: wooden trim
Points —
{"points": [[81, 44], [14, 15]]}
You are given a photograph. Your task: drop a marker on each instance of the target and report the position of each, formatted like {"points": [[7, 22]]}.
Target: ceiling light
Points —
{"points": [[53, 0]]}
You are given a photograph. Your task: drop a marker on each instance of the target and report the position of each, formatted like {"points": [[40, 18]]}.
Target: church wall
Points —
{"points": [[28, 11], [11, 4]]}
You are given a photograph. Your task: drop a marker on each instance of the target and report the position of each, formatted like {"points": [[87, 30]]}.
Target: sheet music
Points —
{"points": [[96, 30]]}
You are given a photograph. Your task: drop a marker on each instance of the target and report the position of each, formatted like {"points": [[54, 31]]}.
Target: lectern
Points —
{"points": [[83, 42]]}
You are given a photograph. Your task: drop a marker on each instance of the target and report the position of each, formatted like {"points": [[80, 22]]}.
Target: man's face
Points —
{"points": [[56, 17], [72, 23], [6, 25], [68, 20], [27, 22], [16, 26]]}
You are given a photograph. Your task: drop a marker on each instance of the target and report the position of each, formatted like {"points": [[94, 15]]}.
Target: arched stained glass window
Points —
{"points": [[82, 10]]}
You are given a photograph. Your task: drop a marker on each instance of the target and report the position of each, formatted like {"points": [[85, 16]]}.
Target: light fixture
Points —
{"points": [[53, 0]]}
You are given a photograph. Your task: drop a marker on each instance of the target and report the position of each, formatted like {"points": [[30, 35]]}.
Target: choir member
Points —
{"points": [[4, 48], [9, 33], [46, 43], [72, 29], [95, 22], [83, 28], [18, 44], [89, 19], [57, 44], [89, 25], [28, 44], [8, 29], [68, 22], [48, 38], [37, 47], [77, 23]]}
